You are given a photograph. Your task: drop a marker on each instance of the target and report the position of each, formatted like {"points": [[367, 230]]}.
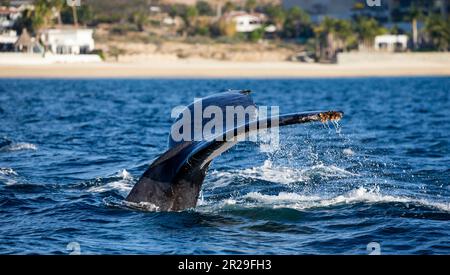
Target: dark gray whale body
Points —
{"points": [[173, 181]]}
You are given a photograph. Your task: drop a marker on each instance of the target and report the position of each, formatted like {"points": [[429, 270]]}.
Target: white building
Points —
{"points": [[68, 40], [391, 43], [9, 36], [8, 16], [246, 22]]}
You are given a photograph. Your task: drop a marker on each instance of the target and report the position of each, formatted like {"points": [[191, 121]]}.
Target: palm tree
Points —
{"points": [[140, 19], [367, 29], [297, 23], [73, 5], [75, 15], [415, 14], [41, 15], [276, 15], [229, 6], [57, 6], [332, 36], [250, 5], [190, 17], [219, 6], [438, 29]]}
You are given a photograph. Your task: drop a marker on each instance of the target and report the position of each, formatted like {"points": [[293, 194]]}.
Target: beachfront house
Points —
{"points": [[11, 42], [8, 16], [8, 39], [246, 22], [68, 40], [391, 43]]}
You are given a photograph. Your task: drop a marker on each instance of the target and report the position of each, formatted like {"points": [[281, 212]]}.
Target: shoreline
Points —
{"points": [[193, 68]]}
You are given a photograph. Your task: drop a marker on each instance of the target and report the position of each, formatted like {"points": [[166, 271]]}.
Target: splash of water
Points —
{"points": [[281, 174], [337, 126], [303, 202], [122, 184]]}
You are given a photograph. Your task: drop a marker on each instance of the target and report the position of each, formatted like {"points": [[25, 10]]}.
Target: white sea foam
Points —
{"points": [[348, 152], [8, 172], [7, 176], [300, 202], [327, 171], [146, 206], [281, 174], [281, 198], [123, 185], [125, 175], [19, 147]]}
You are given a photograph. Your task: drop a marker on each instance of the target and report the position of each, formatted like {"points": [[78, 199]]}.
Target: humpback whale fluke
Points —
{"points": [[173, 181]]}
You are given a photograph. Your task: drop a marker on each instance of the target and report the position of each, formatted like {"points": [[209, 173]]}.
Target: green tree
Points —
{"points": [[276, 15], [229, 7], [204, 8], [297, 24], [250, 5], [256, 35], [190, 16], [140, 19], [341, 30], [24, 22], [5, 3], [73, 7], [84, 15], [438, 30], [177, 10], [367, 29], [57, 6], [41, 15]]}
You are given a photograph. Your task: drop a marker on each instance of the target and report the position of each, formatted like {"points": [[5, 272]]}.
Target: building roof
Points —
{"points": [[391, 38], [234, 14], [9, 37], [8, 10]]}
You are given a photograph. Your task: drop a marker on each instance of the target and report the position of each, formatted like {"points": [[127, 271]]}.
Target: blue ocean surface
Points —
{"points": [[71, 150]]}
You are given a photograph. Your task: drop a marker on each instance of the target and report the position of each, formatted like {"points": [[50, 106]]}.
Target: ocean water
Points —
{"points": [[71, 150]]}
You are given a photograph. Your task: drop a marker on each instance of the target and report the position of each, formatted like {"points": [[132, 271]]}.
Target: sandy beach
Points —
{"points": [[207, 68]]}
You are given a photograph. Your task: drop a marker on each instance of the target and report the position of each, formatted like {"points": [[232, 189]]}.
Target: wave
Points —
{"points": [[283, 175], [302, 202], [122, 182], [348, 152], [145, 206], [18, 147], [7, 176], [8, 172]]}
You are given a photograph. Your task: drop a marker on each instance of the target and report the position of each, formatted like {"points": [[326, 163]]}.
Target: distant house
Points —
{"points": [[391, 43], [68, 40], [246, 22], [8, 16], [7, 40], [10, 42]]}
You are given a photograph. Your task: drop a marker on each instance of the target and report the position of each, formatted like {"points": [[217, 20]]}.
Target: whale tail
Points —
{"points": [[173, 181]]}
